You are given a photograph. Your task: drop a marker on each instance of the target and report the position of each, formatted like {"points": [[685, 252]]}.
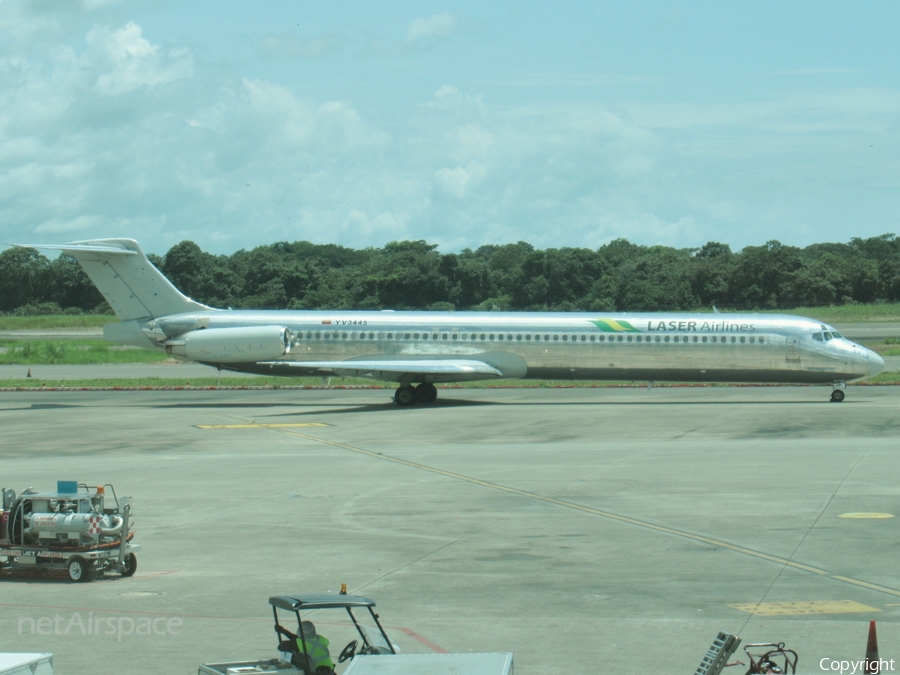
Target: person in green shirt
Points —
{"points": [[316, 648]]}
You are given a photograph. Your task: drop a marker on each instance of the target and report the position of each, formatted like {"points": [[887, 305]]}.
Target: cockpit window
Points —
{"points": [[817, 336], [834, 333], [827, 336]]}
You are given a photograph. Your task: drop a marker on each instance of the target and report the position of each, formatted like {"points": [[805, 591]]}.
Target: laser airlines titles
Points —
{"points": [[701, 327]]}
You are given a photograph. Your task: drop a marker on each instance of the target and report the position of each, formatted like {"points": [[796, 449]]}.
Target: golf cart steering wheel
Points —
{"points": [[348, 652]]}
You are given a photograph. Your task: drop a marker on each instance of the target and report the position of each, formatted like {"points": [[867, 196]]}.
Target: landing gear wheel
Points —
{"points": [[837, 395], [405, 396], [130, 562], [348, 652], [79, 569], [426, 392]]}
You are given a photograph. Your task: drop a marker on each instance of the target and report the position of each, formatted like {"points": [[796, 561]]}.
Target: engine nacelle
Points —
{"points": [[232, 345]]}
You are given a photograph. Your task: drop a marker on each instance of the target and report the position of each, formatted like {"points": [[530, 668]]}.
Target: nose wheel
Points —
{"points": [[837, 396]]}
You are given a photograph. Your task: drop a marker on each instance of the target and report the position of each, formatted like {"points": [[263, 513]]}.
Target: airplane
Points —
{"points": [[423, 348]]}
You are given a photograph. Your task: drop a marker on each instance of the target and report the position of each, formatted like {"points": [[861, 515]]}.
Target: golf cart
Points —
{"points": [[370, 652], [294, 653]]}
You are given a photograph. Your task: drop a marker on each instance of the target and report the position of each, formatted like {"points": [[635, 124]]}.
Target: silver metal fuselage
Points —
{"points": [[685, 347]]}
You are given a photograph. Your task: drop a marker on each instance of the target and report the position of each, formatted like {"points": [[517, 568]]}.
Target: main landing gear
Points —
{"points": [[837, 394], [407, 395]]}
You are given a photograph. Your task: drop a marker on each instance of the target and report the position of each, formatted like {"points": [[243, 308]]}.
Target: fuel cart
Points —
{"points": [[82, 529]]}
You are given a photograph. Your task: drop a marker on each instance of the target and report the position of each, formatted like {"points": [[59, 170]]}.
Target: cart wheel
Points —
{"points": [[79, 569], [130, 562]]}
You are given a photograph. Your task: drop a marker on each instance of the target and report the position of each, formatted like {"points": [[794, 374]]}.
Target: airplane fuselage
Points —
{"points": [[686, 347]]}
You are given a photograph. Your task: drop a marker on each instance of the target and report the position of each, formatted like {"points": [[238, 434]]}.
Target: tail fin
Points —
{"points": [[132, 286]]}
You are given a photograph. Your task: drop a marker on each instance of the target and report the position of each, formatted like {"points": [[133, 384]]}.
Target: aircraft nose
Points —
{"points": [[876, 363]]}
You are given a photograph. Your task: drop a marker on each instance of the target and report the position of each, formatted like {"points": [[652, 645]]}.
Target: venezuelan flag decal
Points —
{"points": [[610, 326], [326, 322]]}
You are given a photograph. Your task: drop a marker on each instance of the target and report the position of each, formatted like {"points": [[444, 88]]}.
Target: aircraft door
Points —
{"points": [[793, 350]]}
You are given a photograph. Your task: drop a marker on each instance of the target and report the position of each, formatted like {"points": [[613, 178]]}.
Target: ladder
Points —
{"points": [[718, 654]]}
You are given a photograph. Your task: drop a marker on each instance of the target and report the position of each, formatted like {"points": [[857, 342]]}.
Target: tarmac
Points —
{"points": [[613, 530]]}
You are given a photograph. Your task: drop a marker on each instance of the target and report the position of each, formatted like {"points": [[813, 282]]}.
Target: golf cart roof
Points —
{"points": [[293, 603]]}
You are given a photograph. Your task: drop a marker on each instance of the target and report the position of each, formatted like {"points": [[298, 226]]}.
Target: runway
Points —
{"points": [[624, 526]]}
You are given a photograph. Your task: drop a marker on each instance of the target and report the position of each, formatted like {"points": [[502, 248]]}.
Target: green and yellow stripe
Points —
{"points": [[611, 326]]}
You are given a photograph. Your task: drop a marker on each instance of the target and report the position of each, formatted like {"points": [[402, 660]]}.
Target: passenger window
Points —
{"points": [[556, 338], [381, 336], [390, 336], [761, 340], [703, 339], [444, 336], [675, 338], [743, 339], [492, 336], [527, 338], [621, 338], [455, 336], [733, 339], [343, 336], [473, 337], [752, 339], [518, 338], [666, 338], [593, 337], [500, 337], [482, 336], [565, 338], [657, 338]]}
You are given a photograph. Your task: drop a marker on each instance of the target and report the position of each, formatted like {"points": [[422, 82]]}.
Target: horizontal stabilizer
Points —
{"points": [[79, 248], [132, 286]]}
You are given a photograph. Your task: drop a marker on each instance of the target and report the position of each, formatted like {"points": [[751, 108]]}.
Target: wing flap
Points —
{"points": [[366, 368]]}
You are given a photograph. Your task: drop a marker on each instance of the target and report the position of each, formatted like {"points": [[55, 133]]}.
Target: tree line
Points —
{"points": [[619, 276]]}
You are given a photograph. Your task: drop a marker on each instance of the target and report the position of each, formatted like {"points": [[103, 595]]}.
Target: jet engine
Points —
{"points": [[231, 345]]}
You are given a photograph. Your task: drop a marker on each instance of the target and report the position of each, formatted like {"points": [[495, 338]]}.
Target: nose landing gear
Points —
{"points": [[837, 395]]}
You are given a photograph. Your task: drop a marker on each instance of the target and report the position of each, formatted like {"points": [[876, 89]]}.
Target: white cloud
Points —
{"points": [[132, 62], [428, 28], [118, 134], [287, 46]]}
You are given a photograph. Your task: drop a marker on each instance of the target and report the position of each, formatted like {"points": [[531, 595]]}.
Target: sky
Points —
{"points": [[236, 124]]}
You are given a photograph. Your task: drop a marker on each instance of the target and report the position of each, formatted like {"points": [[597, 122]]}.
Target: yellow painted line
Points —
{"points": [[261, 426], [804, 608], [597, 512], [866, 515]]}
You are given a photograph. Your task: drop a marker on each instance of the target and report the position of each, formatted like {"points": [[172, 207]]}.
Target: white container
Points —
{"points": [[26, 664]]}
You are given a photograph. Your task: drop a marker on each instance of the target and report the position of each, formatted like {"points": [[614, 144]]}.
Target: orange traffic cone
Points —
{"points": [[872, 663]]}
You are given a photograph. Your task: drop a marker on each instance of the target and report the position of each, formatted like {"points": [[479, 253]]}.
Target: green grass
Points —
{"points": [[73, 353], [50, 322], [848, 313]]}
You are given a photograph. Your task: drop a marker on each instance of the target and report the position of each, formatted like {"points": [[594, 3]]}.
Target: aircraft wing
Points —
{"points": [[370, 368]]}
